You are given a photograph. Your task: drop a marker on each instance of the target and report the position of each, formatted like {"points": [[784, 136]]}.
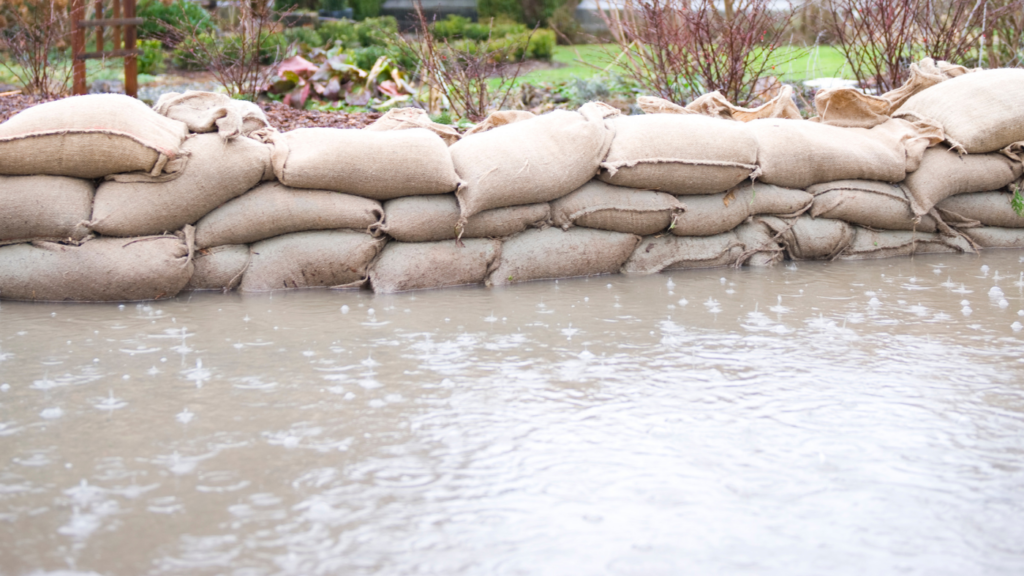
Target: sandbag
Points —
{"points": [[606, 207], [715, 104], [435, 218], [870, 244], [799, 154], [500, 118], [216, 171], [554, 253], [657, 253], [759, 246], [987, 208], [979, 112], [807, 238], [995, 237], [710, 215], [99, 270], [852, 108], [272, 209], [944, 173], [331, 258], [219, 268], [379, 165], [89, 137], [530, 161], [44, 208], [405, 118], [211, 112], [680, 154], [423, 265], [873, 204]]}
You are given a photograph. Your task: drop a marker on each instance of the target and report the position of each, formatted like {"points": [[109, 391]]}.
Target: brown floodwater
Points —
{"points": [[815, 418]]}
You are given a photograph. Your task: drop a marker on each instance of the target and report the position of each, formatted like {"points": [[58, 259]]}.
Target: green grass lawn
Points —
{"points": [[792, 63]]}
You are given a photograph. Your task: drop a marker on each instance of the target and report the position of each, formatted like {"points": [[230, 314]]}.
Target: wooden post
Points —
{"points": [[77, 46], [98, 13], [131, 62], [117, 29]]}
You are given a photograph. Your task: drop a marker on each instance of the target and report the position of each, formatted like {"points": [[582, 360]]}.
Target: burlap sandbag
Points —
{"points": [[554, 253], [216, 171], [606, 207], [760, 249], [807, 238], [710, 215], [500, 118], [680, 154], [326, 258], [405, 118], [435, 218], [102, 269], [378, 165], [89, 137], [667, 252], [44, 208], [219, 268], [799, 154], [870, 244], [851, 108], [986, 208], [995, 237], [210, 112], [866, 203], [944, 173], [531, 161], [715, 104], [979, 112], [424, 265], [272, 209]]}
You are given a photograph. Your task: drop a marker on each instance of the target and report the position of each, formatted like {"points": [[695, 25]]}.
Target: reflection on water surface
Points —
{"points": [[840, 418]]}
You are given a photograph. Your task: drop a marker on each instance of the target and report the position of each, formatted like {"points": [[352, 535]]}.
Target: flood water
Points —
{"points": [[815, 418]]}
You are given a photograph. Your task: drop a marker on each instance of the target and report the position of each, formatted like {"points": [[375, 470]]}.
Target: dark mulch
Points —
{"points": [[14, 103], [285, 118], [282, 117]]}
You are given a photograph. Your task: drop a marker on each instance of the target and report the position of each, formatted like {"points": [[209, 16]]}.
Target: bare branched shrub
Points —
{"points": [[881, 38], [34, 39], [474, 78], [242, 60], [680, 49]]}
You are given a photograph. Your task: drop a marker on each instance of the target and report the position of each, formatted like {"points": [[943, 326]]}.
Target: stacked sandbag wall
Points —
{"points": [[103, 198]]}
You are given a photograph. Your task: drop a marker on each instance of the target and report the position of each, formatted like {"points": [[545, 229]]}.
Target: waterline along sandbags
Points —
{"points": [[798, 153], [89, 137], [606, 207], [986, 208], [553, 253], [101, 269], [979, 112], [868, 244], [710, 215], [994, 237], [944, 173], [321, 259], [272, 209], [530, 161], [807, 238], [44, 208], [379, 165], [215, 171], [434, 218], [760, 246], [680, 154], [405, 266]]}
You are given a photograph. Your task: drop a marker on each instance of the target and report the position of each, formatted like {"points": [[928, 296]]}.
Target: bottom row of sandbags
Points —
{"points": [[106, 269]]}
